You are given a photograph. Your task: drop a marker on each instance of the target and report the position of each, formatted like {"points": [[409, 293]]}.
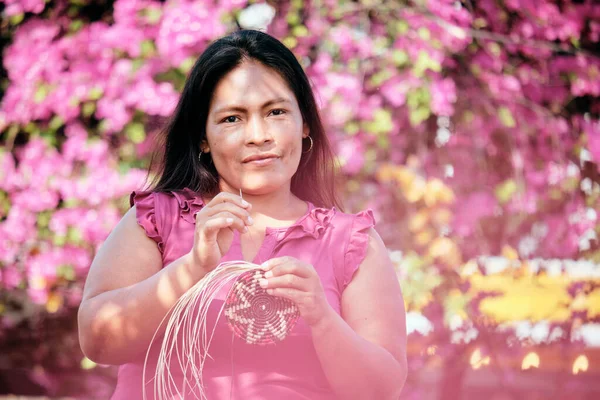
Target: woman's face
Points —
{"points": [[254, 130]]}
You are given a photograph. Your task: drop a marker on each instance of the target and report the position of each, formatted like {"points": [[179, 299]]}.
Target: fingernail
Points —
{"points": [[245, 229], [245, 203], [250, 220], [263, 283], [229, 220], [268, 274], [265, 265]]}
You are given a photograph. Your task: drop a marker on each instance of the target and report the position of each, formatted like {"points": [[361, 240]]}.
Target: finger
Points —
{"points": [[285, 281], [288, 293], [293, 267], [212, 227], [273, 262], [234, 209], [225, 197], [238, 223]]}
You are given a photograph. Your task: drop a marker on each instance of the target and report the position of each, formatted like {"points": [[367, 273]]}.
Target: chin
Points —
{"points": [[263, 184]]}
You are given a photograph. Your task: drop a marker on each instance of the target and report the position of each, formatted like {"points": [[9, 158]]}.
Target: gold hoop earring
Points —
{"points": [[311, 145]]}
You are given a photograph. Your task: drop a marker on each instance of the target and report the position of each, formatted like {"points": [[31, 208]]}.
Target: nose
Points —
{"points": [[257, 132]]}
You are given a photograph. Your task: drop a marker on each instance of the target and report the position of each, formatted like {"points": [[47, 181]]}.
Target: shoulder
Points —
{"points": [[182, 203], [350, 235], [347, 226]]}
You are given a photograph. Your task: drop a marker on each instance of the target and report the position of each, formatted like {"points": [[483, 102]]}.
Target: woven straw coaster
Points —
{"points": [[255, 316]]}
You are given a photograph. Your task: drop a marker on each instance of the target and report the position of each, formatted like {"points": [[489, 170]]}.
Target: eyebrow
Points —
{"points": [[243, 109]]}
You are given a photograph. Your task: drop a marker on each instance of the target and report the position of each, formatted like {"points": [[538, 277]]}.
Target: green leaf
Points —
{"points": [[88, 109], [4, 200], [43, 219], [383, 141], [290, 42], [495, 49], [74, 235], [136, 64], [381, 123], [379, 77], [95, 93], [16, 19], [399, 58], [75, 26], [424, 33], [59, 241], [152, 15], [32, 128], [135, 132], [293, 18], [187, 65], [300, 31], [505, 191], [56, 122], [66, 271], [402, 27], [455, 304], [41, 92], [418, 115], [506, 117], [423, 63], [147, 48], [352, 128]]}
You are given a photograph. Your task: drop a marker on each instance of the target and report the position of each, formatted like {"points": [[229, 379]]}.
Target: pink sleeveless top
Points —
{"points": [[335, 243]]}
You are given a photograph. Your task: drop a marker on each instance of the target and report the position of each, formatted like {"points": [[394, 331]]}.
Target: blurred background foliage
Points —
{"points": [[470, 127]]}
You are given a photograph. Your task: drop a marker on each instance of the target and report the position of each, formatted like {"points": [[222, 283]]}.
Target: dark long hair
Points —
{"points": [[177, 160]]}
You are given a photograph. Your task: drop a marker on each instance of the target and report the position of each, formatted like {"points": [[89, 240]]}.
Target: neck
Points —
{"points": [[280, 204]]}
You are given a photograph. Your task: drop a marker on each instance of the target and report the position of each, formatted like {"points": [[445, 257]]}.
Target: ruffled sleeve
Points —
{"points": [[145, 212], [357, 245]]}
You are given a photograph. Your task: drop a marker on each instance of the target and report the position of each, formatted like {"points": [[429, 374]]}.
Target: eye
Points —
{"points": [[230, 119], [278, 111]]}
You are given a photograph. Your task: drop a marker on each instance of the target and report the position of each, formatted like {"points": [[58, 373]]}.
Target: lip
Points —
{"points": [[260, 158]]}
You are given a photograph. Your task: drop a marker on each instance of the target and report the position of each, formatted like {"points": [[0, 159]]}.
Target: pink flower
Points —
{"points": [[592, 132], [7, 172], [15, 7], [443, 97], [351, 154], [469, 212], [10, 276], [394, 91], [185, 29], [19, 226]]}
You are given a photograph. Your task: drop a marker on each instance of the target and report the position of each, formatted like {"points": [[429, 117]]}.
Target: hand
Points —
{"points": [[215, 223], [297, 281]]}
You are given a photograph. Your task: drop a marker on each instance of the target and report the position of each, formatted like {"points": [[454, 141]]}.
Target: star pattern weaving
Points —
{"points": [[255, 316]]}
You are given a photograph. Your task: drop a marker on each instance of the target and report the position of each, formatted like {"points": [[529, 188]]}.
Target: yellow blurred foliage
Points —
{"points": [[418, 220], [54, 303], [522, 294], [415, 187], [446, 250], [592, 303], [542, 298], [441, 216], [436, 193], [510, 253], [424, 238], [477, 360], [531, 360]]}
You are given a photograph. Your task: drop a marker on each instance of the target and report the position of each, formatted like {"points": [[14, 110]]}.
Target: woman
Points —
{"points": [[247, 123]]}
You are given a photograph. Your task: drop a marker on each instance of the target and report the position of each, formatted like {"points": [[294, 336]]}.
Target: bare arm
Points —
{"points": [[127, 294], [363, 355]]}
